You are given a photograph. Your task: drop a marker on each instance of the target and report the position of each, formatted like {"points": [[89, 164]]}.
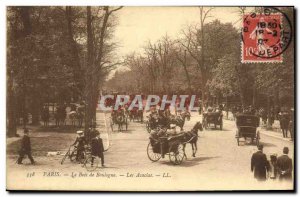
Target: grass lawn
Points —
{"points": [[45, 140]]}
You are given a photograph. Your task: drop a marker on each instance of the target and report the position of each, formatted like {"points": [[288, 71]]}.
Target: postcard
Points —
{"points": [[147, 99]]}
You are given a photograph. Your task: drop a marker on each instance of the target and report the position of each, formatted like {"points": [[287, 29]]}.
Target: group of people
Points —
{"points": [[96, 144], [162, 122], [81, 143], [276, 168]]}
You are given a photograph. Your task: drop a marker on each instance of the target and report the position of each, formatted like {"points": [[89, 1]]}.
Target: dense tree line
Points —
{"points": [[206, 60], [58, 55]]}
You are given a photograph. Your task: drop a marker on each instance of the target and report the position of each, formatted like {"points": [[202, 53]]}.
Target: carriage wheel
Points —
{"points": [[89, 165], [73, 154], [176, 153], [65, 156], [82, 157], [151, 154]]}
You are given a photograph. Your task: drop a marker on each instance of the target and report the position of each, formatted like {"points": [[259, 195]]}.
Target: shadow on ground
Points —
{"points": [[189, 162]]}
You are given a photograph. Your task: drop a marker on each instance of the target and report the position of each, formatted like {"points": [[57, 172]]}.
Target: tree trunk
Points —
{"points": [[276, 102], [241, 88], [74, 52], [269, 126], [184, 64], [88, 79], [227, 107], [11, 108], [254, 96], [27, 28], [35, 106]]}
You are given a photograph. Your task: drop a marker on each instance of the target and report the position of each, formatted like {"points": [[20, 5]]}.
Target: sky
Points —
{"points": [[138, 25]]}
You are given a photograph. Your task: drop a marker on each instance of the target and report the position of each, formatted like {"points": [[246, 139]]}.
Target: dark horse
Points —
{"points": [[178, 120], [45, 116], [192, 137], [120, 121], [119, 118]]}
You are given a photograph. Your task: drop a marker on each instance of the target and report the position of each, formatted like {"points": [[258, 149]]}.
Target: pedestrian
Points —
{"points": [[25, 148], [97, 148], [285, 166], [260, 164], [284, 123], [80, 143]]}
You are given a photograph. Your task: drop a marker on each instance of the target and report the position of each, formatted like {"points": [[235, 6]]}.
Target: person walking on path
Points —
{"points": [[285, 166], [284, 123], [259, 164], [97, 148], [25, 148]]}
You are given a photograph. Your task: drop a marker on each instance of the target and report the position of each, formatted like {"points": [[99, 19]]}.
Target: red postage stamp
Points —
{"points": [[263, 38]]}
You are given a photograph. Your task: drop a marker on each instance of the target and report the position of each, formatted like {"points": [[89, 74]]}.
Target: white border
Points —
{"points": [[5, 3]]}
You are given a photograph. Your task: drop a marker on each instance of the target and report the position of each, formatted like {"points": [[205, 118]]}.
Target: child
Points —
{"points": [[25, 148]]}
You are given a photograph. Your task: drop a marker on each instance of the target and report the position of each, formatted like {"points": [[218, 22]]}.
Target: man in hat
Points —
{"points": [[259, 164], [97, 148], [284, 123], [80, 143], [285, 166], [25, 148]]}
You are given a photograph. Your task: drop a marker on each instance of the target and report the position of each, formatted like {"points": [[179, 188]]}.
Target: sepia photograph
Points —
{"points": [[150, 98]]}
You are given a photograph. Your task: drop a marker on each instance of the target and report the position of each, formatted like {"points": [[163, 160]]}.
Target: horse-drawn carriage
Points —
{"points": [[136, 115], [119, 118], [215, 118], [173, 145], [247, 128], [152, 122]]}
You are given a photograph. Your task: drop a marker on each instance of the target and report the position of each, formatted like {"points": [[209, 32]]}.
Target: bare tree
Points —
{"points": [[97, 63], [194, 43], [182, 58]]}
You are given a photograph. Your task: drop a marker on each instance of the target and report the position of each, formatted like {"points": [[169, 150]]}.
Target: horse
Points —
{"points": [[192, 137], [120, 120], [80, 117], [118, 117], [45, 116], [73, 117], [60, 116], [136, 115], [185, 115], [76, 116], [177, 120], [57, 118]]}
